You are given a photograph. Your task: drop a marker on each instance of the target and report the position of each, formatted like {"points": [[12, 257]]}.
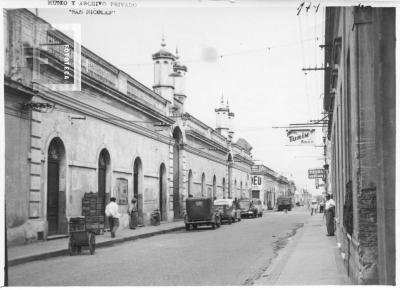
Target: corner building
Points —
{"points": [[114, 136], [360, 101]]}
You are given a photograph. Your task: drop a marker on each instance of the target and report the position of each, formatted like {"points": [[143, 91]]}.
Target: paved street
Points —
{"points": [[236, 254]]}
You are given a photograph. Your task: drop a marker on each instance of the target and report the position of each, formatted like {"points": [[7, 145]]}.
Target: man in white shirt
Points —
{"points": [[330, 215], [113, 216]]}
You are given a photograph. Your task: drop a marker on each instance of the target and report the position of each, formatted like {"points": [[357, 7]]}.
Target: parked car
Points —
{"points": [[228, 210], [258, 205], [284, 202], [247, 209], [201, 211]]}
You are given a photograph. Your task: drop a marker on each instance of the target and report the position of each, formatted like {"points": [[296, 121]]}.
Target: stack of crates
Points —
{"points": [[76, 224], [92, 209]]}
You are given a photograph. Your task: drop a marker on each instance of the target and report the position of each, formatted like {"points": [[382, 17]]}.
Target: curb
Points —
{"points": [[103, 244]]}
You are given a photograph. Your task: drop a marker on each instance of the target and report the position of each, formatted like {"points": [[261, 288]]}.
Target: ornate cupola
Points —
{"points": [[179, 76], [163, 69], [222, 118]]}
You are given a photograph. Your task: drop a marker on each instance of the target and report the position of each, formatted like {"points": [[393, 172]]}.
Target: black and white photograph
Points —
{"points": [[198, 143]]}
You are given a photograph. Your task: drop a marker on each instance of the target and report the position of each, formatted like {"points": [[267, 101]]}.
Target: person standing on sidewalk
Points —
{"points": [[112, 215], [132, 211], [330, 215]]}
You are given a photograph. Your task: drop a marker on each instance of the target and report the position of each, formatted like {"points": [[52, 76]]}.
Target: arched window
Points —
{"points": [[190, 182], [203, 184], [214, 188], [223, 188]]}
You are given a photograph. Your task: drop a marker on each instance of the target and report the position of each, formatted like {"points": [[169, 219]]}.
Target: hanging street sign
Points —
{"points": [[300, 136], [316, 173]]}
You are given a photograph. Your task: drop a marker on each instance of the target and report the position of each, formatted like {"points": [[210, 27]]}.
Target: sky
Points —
{"points": [[251, 53]]}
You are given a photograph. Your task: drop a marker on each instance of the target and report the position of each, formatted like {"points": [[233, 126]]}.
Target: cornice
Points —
{"points": [[206, 140], [96, 113], [198, 152]]}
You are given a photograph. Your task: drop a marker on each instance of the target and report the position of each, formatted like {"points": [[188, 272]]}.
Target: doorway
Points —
{"points": [[56, 200], [138, 188], [104, 188], [177, 171], [163, 192]]}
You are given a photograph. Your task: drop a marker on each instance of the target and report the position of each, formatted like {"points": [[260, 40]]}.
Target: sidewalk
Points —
{"points": [[53, 248], [310, 258]]}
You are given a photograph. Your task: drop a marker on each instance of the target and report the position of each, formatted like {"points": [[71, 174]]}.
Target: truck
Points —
{"points": [[284, 202]]}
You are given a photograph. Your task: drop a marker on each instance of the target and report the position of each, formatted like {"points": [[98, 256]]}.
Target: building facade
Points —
{"points": [[360, 102], [113, 136], [268, 185]]}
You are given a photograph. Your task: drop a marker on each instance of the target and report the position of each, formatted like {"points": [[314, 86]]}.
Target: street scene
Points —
{"points": [[238, 254], [199, 143]]}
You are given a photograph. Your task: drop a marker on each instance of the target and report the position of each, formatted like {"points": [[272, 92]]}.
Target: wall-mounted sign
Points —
{"points": [[256, 181], [316, 173], [121, 191], [301, 136]]}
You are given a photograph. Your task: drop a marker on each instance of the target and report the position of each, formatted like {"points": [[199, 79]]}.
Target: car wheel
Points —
{"points": [[194, 227], [230, 220], [187, 226]]}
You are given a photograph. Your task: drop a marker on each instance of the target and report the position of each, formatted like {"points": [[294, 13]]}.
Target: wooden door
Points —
{"points": [[102, 191], [52, 196]]}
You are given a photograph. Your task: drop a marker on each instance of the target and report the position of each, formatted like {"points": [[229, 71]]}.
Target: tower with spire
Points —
{"points": [[179, 75], [163, 70], [224, 119]]}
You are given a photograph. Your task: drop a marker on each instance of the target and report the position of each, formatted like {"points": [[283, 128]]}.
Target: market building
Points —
{"points": [[112, 136], [360, 101]]}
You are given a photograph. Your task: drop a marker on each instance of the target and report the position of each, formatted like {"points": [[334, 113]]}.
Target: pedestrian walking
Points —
{"points": [[321, 206], [330, 215], [112, 215], [314, 207], [132, 211]]}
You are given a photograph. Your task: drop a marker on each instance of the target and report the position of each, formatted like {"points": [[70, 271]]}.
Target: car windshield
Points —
{"points": [[244, 204]]}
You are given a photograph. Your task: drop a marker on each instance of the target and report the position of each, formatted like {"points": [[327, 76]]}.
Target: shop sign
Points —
{"points": [[301, 136], [316, 173], [256, 181]]}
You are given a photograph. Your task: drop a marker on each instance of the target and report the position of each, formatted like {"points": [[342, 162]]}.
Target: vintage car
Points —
{"points": [[259, 206], [247, 209], [201, 211], [284, 202], [228, 210]]}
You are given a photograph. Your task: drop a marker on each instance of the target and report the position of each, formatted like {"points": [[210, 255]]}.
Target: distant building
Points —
{"points": [[267, 185], [360, 101]]}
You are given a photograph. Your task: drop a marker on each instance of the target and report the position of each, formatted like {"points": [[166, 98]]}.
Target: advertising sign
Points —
{"points": [[316, 173], [256, 181], [121, 191], [301, 136]]}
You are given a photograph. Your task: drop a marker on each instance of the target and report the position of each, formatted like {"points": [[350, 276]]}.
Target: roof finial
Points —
{"points": [[163, 44], [176, 52], [227, 103]]}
